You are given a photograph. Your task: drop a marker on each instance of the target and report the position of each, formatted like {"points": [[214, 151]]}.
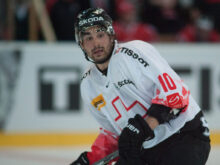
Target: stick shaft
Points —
{"points": [[107, 159]]}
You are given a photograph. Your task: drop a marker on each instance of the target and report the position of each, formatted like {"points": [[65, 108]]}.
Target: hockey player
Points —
{"points": [[145, 110]]}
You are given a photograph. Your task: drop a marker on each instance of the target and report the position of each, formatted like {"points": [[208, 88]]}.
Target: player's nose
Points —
{"points": [[96, 42]]}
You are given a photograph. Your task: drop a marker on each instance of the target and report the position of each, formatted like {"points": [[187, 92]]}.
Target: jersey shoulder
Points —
{"points": [[87, 73], [132, 51], [86, 79], [131, 47], [145, 50]]}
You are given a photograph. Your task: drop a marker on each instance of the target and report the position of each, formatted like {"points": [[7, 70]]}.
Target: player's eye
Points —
{"points": [[87, 38], [100, 34]]}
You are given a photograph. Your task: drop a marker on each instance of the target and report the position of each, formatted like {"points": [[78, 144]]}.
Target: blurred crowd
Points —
{"points": [[148, 20]]}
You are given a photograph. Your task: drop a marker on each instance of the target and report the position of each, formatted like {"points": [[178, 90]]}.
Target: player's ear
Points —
{"points": [[81, 44], [112, 38]]}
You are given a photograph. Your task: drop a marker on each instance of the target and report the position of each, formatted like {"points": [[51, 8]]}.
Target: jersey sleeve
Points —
{"points": [[104, 145], [106, 142], [166, 86], [160, 84], [169, 89]]}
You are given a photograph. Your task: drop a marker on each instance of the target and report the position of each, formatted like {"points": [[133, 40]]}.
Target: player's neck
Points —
{"points": [[103, 67]]}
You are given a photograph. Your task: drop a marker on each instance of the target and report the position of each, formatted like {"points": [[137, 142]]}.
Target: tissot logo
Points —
{"points": [[93, 19], [59, 89], [134, 55]]}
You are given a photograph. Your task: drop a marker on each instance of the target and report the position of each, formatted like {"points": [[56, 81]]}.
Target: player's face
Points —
{"points": [[97, 44]]}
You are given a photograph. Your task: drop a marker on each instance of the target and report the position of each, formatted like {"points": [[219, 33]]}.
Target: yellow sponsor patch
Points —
{"points": [[98, 102]]}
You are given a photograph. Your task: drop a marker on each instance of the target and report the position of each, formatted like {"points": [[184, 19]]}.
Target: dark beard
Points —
{"points": [[102, 61]]}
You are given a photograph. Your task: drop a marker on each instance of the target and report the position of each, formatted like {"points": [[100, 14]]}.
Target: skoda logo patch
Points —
{"points": [[89, 20]]}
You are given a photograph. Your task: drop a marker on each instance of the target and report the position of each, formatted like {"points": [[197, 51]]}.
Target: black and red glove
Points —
{"points": [[163, 113], [131, 139]]}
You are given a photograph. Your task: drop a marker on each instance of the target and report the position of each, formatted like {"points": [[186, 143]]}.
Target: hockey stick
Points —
{"points": [[107, 159]]}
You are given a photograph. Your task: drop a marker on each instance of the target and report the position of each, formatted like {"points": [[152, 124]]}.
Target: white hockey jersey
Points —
{"points": [[137, 76]]}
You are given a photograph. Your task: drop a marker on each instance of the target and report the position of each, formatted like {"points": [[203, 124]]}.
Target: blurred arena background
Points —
{"points": [[42, 118]]}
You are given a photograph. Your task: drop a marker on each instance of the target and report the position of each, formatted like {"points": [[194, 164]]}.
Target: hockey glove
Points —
{"points": [[82, 160], [121, 161], [130, 161], [163, 113], [132, 138]]}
